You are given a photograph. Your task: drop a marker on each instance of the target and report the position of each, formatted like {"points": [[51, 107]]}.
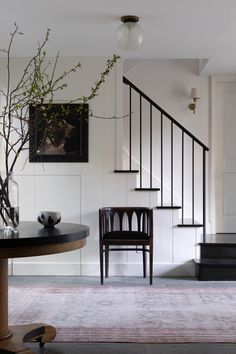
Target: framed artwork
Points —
{"points": [[58, 132]]}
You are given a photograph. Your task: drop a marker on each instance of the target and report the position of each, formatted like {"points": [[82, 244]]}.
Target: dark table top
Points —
{"points": [[31, 233]]}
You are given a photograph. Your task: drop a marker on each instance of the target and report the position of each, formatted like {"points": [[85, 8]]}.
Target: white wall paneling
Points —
{"points": [[223, 154], [78, 190], [163, 238]]}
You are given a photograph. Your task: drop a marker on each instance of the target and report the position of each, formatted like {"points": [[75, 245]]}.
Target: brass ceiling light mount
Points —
{"points": [[129, 18]]}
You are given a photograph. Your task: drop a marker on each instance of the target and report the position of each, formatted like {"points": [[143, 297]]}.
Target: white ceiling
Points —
{"points": [[204, 29]]}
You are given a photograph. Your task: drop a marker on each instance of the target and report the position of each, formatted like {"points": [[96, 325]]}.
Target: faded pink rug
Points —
{"points": [[128, 314]]}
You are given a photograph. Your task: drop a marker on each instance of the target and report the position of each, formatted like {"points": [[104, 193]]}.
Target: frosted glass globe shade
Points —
{"points": [[129, 35]]}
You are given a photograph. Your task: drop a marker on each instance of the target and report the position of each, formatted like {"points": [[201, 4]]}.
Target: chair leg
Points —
{"points": [[144, 262], [101, 263], [106, 261], [151, 263]]}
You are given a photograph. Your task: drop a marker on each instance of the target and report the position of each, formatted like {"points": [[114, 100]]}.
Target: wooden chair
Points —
{"points": [[126, 227]]}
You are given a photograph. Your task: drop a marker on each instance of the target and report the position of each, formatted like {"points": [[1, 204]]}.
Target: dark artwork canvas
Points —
{"points": [[58, 133]]}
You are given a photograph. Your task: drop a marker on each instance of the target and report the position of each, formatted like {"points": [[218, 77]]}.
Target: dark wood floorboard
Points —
{"points": [[117, 348]]}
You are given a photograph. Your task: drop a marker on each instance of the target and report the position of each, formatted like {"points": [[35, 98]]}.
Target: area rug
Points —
{"points": [[128, 314]]}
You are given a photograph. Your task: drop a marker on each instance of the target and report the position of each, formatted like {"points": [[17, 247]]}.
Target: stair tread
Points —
{"points": [[216, 262], [190, 223], [219, 239], [147, 189], [168, 206], [126, 171]]}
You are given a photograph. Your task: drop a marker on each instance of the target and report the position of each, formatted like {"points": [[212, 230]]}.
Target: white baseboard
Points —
{"points": [[30, 268], [93, 269]]}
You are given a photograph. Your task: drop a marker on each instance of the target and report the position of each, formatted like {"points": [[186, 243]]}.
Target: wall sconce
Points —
{"points": [[129, 34], [195, 97]]}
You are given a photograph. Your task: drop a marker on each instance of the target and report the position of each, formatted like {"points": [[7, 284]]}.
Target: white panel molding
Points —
{"points": [[218, 163], [92, 269], [78, 190], [46, 268], [135, 269]]}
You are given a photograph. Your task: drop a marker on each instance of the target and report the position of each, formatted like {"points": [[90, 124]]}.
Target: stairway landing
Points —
{"points": [[217, 257]]}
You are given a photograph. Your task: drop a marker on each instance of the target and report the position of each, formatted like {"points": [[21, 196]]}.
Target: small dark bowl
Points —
{"points": [[49, 218]]}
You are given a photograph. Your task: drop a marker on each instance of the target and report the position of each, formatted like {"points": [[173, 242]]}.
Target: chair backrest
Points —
{"points": [[125, 218]]}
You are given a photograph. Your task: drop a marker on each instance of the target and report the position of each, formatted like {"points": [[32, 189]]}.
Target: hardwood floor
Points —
{"points": [[118, 348]]}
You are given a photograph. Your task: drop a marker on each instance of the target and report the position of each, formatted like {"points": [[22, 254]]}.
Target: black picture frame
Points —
{"points": [[58, 132]]}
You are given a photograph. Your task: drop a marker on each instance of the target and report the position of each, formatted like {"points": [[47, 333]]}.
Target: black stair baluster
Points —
{"points": [[193, 182], [130, 128], [150, 145], [161, 159], [140, 116], [204, 193], [171, 167], [182, 202]]}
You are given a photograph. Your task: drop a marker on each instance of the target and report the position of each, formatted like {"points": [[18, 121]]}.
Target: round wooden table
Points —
{"points": [[32, 239]]}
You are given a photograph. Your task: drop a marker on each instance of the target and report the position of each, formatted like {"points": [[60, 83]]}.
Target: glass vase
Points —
{"points": [[9, 202]]}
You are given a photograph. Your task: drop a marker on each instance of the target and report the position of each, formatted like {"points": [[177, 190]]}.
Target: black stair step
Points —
{"points": [[220, 238], [218, 251], [168, 206], [147, 189], [190, 223], [215, 269], [216, 262], [126, 171]]}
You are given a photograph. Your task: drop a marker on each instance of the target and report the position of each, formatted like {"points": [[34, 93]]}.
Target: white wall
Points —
{"points": [[223, 154], [78, 190], [168, 82]]}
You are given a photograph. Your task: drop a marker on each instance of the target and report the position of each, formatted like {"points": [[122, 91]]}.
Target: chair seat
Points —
{"points": [[125, 235]]}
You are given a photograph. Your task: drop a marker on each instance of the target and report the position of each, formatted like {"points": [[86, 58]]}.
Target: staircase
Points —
{"points": [[167, 159], [217, 258], [160, 151]]}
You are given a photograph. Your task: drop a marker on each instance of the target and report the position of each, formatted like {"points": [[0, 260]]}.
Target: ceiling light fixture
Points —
{"points": [[129, 34]]}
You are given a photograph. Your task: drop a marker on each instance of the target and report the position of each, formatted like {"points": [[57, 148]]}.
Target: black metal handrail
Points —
{"points": [[167, 115], [185, 132]]}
